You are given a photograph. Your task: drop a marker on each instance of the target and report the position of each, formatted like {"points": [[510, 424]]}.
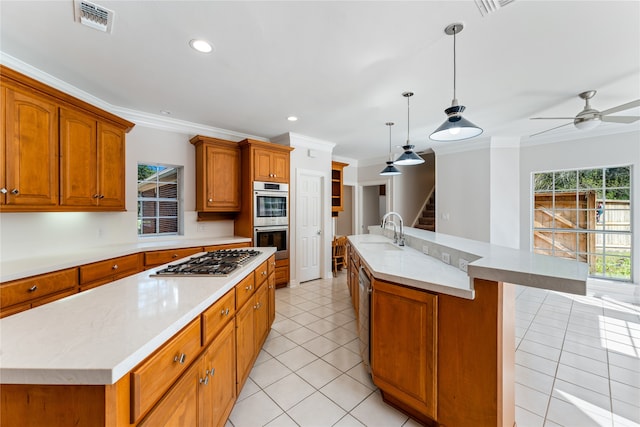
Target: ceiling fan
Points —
{"points": [[589, 118]]}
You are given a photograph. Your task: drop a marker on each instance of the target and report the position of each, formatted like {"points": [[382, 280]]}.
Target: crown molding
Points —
{"points": [[140, 118], [303, 141]]}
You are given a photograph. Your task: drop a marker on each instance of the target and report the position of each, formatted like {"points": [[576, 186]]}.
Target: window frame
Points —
{"points": [[599, 234], [178, 199]]}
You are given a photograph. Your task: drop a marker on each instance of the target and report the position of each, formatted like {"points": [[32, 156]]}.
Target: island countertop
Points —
{"points": [[98, 336], [410, 266]]}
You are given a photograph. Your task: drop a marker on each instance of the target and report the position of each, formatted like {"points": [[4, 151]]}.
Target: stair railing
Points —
{"points": [[424, 205]]}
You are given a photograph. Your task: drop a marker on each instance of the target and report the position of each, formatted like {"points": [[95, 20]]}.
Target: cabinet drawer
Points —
{"points": [[154, 258], [153, 377], [271, 264], [282, 274], [109, 268], [244, 290], [216, 316], [260, 273], [22, 290]]}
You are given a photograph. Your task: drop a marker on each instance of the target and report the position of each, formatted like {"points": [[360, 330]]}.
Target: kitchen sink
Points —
{"points": [[380, 246]]}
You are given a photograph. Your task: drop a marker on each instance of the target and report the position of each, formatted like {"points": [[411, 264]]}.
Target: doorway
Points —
{"points": [[374, 202]]}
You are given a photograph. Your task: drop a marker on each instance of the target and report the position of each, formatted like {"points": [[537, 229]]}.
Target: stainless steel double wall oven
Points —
{"points": [[271, 216]]}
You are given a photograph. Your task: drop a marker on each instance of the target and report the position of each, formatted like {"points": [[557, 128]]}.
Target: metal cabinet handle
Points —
{"points": [[257, 306], [33, 288], [115, 267], [3, 190], [224, 312], [204, 380], [264, 273], [210, 200], [180, 359], [14, 191], [174, 256], [96, 196], [212, 371], [102, 196], [248, 288]]}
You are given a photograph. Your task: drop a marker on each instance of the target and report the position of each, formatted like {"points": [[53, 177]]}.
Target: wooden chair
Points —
{"points": [[339, 253]]}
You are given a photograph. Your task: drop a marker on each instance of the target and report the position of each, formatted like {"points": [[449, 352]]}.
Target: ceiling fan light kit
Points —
{"points": [[390, 169], [409, 157], [456, 127], [590, 118]]}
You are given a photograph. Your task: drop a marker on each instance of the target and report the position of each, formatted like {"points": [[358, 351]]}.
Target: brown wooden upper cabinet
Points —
{"points": [[270, 162], [92, 162], [58, 152], [30, 123], [337, 191], [217, 175]]}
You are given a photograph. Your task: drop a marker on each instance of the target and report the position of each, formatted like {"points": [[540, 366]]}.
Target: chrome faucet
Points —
{"points": [[397, 238]]}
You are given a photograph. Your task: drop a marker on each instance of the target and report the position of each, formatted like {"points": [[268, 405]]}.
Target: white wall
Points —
{"points": [[411, 188], [49, 233], [505, 192], [612, 150], [463, 192]]}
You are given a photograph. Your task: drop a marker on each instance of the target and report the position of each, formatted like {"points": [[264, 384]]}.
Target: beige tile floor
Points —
{"points": [[577, 362]]}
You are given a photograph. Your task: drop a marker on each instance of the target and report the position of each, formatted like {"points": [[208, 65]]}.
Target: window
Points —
{"points": [[159, 210], [585, 215]]}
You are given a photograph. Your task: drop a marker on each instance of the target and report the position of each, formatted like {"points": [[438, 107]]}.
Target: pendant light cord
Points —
{"points": [[455, 30], [408, 127]]}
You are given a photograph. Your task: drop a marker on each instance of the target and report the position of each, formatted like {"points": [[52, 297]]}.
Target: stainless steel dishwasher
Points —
{"points": [[364, 307]]}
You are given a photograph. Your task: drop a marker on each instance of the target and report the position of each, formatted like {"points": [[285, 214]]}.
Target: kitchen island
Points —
{"points": [[127, 353], [442, 343]]}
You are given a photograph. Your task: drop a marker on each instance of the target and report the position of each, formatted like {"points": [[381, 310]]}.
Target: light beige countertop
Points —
{"points": [[20, 268], [411, 266], [98, 336]]}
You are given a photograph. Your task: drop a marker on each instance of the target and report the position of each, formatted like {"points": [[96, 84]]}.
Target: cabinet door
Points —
{"points": [[111, 166], [179, 407], [222, 179], [245, 343], [78, 156], [262, 165], [261, 315], [30, 150], [403, 345], [271, 282], [217, 392], [280, 167]]}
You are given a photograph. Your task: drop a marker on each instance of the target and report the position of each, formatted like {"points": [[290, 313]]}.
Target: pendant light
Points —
{"points": [[408, 157], [390, 169], [456, 127]]}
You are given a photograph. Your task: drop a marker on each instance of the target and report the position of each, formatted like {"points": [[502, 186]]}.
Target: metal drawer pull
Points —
{"points": [[181, 359], [204, 380], [212, 371], [33, 288], [225, 312], [96, 196], [174, 256], [248, 288], [3, 190], [115, 267], [102, 196], [14, 191], [264, 273]]}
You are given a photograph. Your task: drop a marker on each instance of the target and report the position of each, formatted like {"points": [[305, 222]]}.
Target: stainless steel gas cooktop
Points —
{"points": [[216, 263]]}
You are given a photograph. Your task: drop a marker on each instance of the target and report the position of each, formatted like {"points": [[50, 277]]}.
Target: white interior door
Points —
{"points": [[309, 226]]}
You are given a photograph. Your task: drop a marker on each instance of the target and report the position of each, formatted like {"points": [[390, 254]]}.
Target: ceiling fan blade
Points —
{"points": [[622, 107], [551, 118], [620, 119], [557, 127]]}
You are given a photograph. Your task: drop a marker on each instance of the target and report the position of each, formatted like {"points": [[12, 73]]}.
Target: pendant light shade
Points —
{"points": [[390, 169], [456, 127], [409, 157]]}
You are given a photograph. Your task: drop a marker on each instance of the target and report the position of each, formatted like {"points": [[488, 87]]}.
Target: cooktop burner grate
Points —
{"points": [[216, 263]]}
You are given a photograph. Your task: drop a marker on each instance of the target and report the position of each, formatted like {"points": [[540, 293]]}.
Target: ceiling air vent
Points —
{"points": [[489, 6], [94, 16]]}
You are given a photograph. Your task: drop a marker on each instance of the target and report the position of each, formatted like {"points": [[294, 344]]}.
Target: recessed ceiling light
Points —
{"points": [[200, 45], [292, 118]]}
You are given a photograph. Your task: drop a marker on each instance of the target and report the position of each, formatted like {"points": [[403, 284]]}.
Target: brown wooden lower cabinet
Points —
{"points": [[444, 360], [219, 348], [404, 345]]}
